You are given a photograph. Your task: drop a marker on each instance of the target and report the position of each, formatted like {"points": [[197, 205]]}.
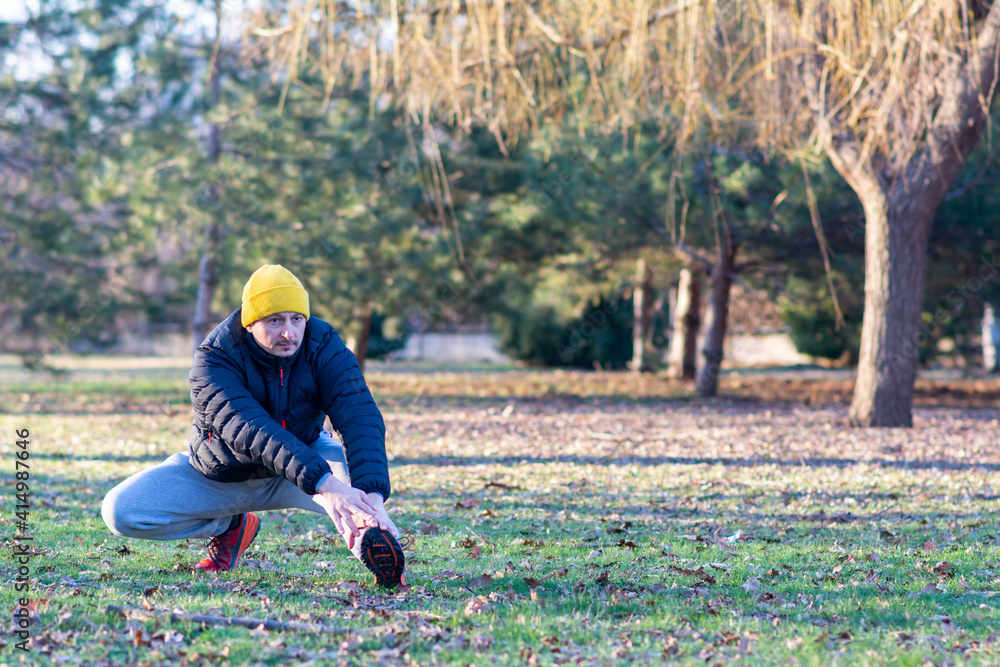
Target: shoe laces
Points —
{"points": [[214, 552], [217, 547]]}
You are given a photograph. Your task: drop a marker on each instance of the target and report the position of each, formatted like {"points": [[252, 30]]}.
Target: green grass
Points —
{"points": [[624, 551]]}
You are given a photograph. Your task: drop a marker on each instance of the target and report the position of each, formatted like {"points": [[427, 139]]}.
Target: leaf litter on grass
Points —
{"points": [[556, 517]]}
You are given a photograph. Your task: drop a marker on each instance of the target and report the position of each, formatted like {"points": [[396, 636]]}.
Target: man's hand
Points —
{"points": [[381, 517], [348, 508]]}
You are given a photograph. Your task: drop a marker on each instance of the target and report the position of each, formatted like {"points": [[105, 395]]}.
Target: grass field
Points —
{"points": [[556, 517]]}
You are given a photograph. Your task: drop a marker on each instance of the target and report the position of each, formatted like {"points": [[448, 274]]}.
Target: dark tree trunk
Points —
{"points": [[642, 300], [718, 316], [207, 280], [207, 275], [361, 349], [686, 318]]}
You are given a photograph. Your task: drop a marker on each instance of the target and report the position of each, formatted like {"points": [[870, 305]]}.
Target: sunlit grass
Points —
{"points": [[605, 554]]}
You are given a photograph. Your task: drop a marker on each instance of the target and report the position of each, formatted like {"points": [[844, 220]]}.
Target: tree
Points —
{"points": [[685, 314], [309, 189], [761, 223], [899, 139], [895, 94], [207, 270], [64, 211]]}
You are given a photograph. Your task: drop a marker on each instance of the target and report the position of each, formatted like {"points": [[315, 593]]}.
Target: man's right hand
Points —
{"points": [[347, 507]]}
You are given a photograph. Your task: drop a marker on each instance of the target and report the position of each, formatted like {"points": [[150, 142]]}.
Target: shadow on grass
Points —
{"points": [[718, 522], [140, 401], [683, 460]]}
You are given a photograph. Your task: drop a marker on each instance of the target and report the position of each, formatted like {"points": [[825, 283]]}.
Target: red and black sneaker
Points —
{"points": [[381, 553], [224, 550]]}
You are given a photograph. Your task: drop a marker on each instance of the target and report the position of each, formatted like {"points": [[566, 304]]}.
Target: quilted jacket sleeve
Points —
{"points": [[218, 389], [349, 404]]}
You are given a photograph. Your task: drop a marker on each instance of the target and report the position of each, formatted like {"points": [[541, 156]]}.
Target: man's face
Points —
{"points": [[280, 334]]}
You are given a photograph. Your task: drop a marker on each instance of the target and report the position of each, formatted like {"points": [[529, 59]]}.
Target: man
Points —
{"points": [[261, 384]]}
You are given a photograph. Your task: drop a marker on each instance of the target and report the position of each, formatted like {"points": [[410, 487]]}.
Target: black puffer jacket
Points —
{"points": [[255, 413]]}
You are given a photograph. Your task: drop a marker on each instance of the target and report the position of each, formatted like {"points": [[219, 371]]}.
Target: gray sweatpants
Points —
{"points": [[173, 501]]}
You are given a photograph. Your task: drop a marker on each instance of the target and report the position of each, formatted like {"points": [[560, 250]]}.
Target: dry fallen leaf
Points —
{"points": [[36, 604], [752, 585], [477, 605], [886, 536], [698, 572], [944, 569], [531, 543], [928, 589], [484, 580]]}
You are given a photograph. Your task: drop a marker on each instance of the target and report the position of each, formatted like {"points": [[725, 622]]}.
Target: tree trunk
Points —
{"points": [[718, 316], [896, 235], [991, 339], [686, 317], [900, 200], [642, 300], [361, 349], [207, 280], [207, 276]]}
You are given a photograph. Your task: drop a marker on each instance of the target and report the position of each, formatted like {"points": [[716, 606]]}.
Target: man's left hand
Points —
{"points": [[381, 517]]}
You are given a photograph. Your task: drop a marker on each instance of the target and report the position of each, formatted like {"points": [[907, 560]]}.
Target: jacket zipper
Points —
{"points": [[281, 375]]}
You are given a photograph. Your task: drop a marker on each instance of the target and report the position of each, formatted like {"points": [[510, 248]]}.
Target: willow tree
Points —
{"points": [[896, 93]]}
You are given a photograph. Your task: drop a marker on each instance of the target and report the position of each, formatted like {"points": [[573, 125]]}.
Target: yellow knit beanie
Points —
{"points": [[273, 289]]}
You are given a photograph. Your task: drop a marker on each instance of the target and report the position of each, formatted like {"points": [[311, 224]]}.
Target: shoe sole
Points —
{"points": [[381, 553]]}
